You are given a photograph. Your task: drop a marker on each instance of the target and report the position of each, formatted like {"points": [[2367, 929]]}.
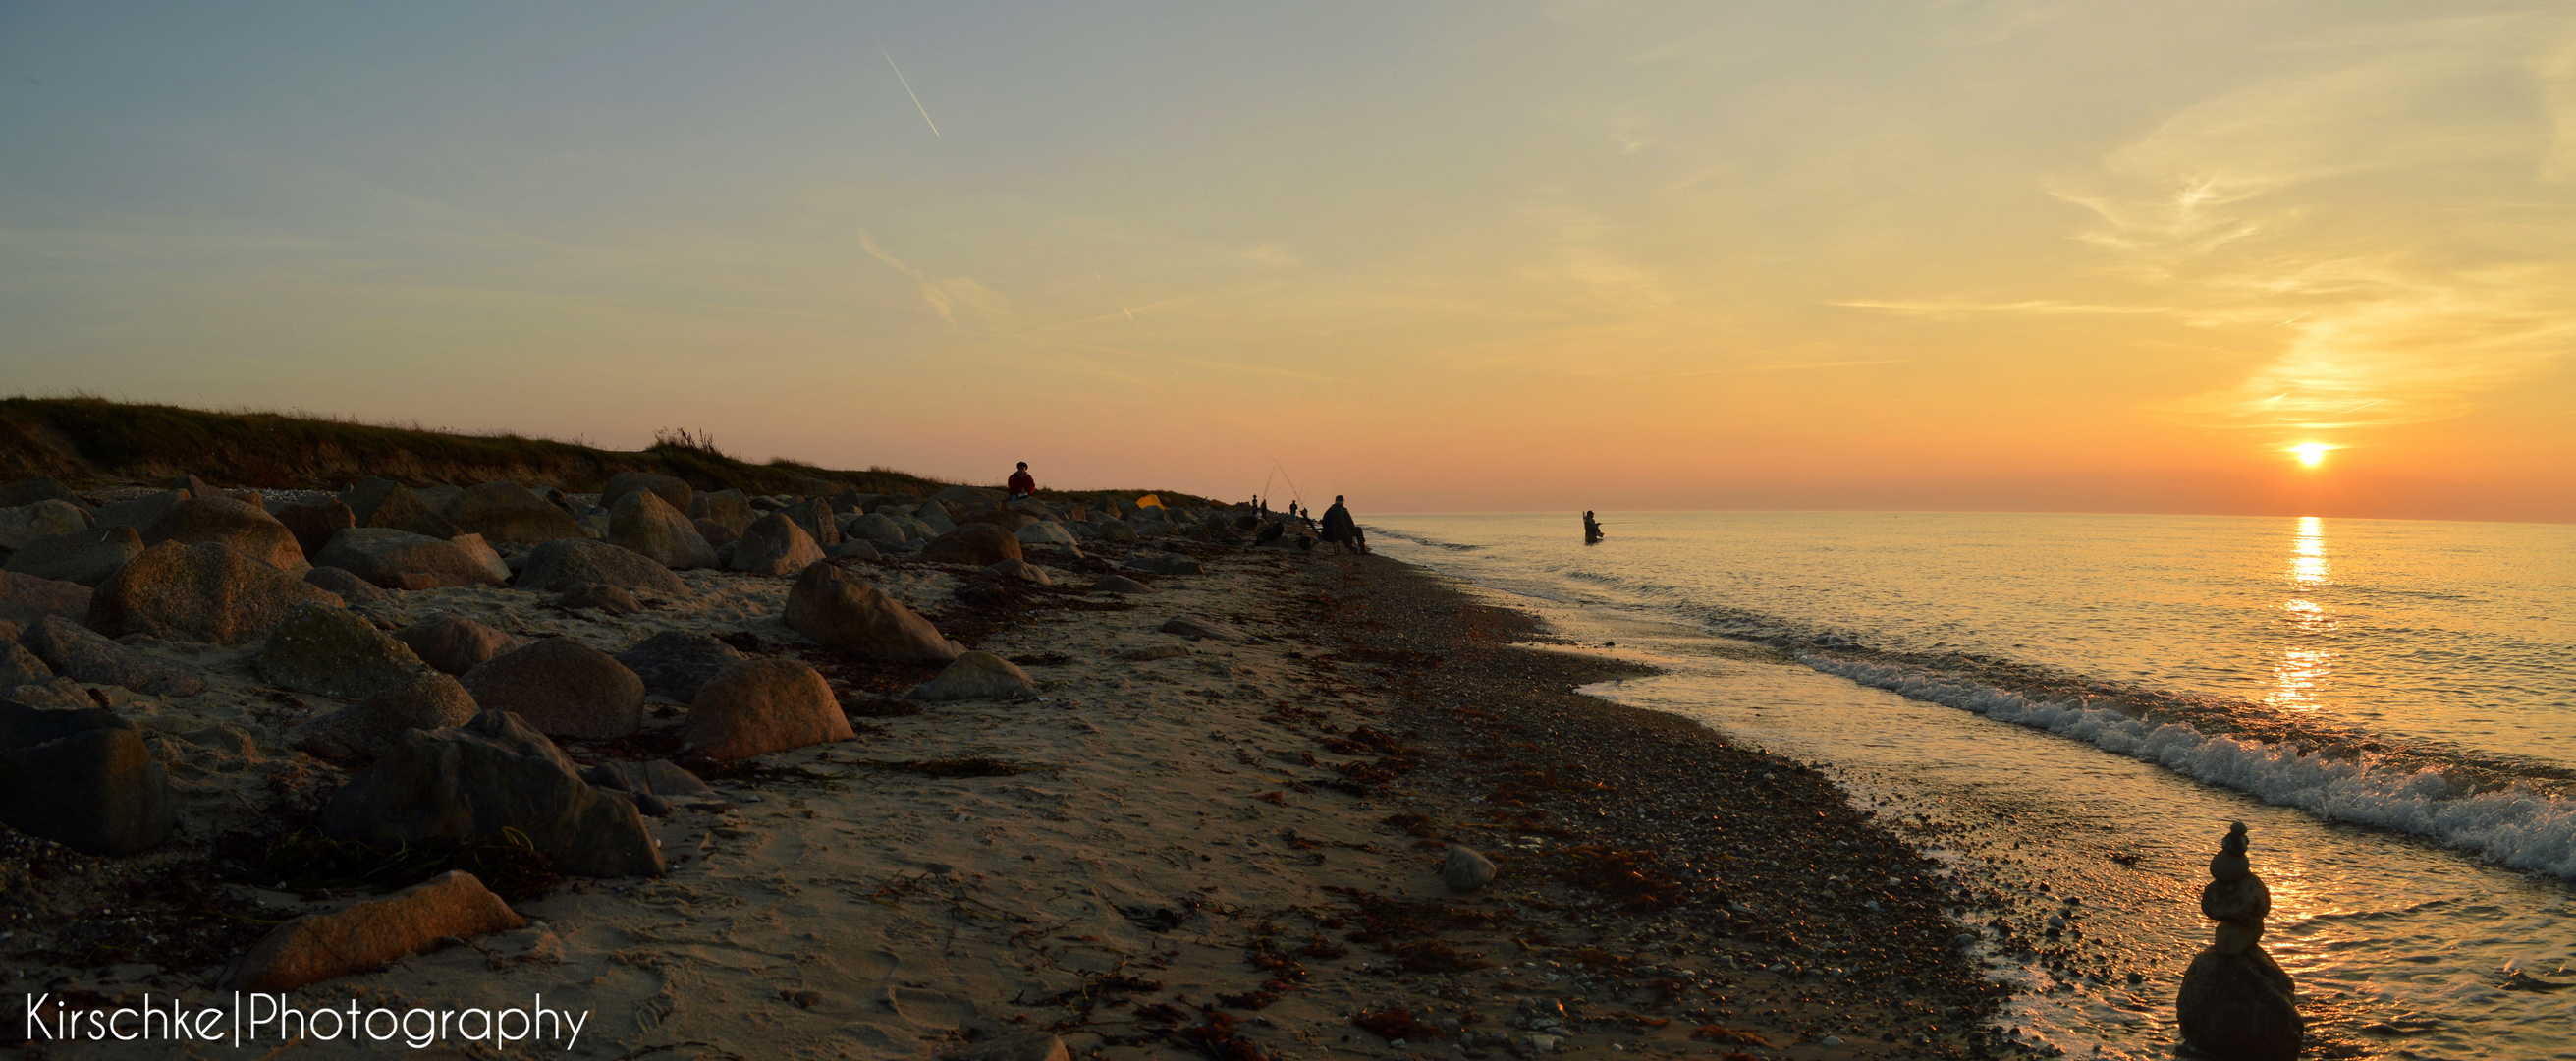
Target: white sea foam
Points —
{"points": [[2515, 827]]}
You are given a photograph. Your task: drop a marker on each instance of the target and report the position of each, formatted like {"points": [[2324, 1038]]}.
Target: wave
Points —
{"points": [[2517, 825]]}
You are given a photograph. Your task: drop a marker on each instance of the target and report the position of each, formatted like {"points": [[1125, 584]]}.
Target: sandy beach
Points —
{"points": [[1233, 850]]}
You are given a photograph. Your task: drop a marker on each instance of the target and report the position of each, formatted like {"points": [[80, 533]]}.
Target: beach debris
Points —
{"points": [[677, 663], [88, 556], [368, 934], [452, 644], [1466, 869], [559, 565], [774, 545], [207, 592], [331, 651], [976, 676], [82, 778], [420, 698], [495, 772], [563, 688], [840, 609], [308, 860], [79, 653], [762, 705], [2235, 1002], [974, 544], [400, 559], [643, 522]]}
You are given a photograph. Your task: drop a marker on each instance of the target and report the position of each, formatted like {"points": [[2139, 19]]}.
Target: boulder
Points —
{"points": [[675, 664], [349, 588], [673, 491], [78, 652], [397, 559], [976, 676], [332, 651], [44, 519], [1165, 564], [855, 549], [511, 514], [1119, 584], [492, 773], [1466, 869], [840, 609], [978, 496], [608, 599], [313, 525], [654, 783], [594, 525], [717, 534], [420, 699], [484, 556], [240, 526], [727, 507], [25, 598], [775, 545], [1201, 628], [815, 516], [365, 935], [2240, 1007], [439, 498], [560, 565], [975, 544], [1007, 520], [86, 557], [363, 498], [562, 687], [82, 778], [898, 502], [1150, 653], [1115, 530], [1019, 569], [21, 667], [30, 491], [877, 529], [1049, 533], [642, 522], [452, 644], [202, 592], [138, 513], [761, 705], [398, 508]]}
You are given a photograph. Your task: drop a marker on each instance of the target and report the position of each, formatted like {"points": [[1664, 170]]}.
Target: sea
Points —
{"points": [[2069, 710]]}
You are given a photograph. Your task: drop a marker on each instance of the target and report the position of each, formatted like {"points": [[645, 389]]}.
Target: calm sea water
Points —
{"points": [[2071, 708]]}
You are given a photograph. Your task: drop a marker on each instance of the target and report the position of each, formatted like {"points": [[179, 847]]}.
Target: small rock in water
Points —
{"points": [[1466, 870]]}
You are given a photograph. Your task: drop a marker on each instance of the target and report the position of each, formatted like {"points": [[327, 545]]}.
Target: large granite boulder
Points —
{"points": [[840, 609], [763, 705], [675, 664], [820, 523], [83, 779], [30, 491], [511, 514], [558, 566], [876, 529], [1116, 531], [494, 772], [673, 491], [87, 557], [1048, 532], [366, 935], [313, 525], [975, 544], [44, 519], [774, 545], [79, 653], [562, 687], [398, 559], [420, 699], [21, 667], [452, 644], [138, 513], [1003, 518], [243, 527], [25, 598], [203, 592], [355, 591], [641, 521], [976, 676], [728, 507], [387, 505], [331, 651]]}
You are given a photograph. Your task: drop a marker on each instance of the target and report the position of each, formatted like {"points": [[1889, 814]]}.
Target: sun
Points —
{"points": [[2311, 453]]}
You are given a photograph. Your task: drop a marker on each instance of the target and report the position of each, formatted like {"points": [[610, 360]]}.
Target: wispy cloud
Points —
{"points": [[2030, 307], [947, 296]]}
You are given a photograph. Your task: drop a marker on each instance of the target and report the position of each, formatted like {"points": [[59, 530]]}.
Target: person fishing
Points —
{"points": [[1340, 527], [1591, 528]]}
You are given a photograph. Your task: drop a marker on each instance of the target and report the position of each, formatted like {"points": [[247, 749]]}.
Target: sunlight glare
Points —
{"points": [[2311, 453]]}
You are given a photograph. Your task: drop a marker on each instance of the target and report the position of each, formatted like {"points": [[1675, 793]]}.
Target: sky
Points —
{"points": [[1949, 254]]}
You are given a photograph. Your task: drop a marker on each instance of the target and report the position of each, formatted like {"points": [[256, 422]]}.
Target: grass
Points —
{"points": [[83, 439]]}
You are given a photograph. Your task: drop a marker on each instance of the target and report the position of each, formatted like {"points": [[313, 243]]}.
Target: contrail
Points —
{"points": [[907, 90]]}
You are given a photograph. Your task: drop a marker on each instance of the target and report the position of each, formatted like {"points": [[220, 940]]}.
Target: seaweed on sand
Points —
{"points": [[507, 862]]}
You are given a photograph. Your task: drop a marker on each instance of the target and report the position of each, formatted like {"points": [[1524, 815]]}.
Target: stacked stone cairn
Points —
{"points": [[2236, 1003]]}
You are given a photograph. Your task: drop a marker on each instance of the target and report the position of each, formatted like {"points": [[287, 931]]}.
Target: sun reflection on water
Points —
{"points": [[2300, 669]]}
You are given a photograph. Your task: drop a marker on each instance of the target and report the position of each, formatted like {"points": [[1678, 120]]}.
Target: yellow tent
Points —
{"points": [[1149, 501]]}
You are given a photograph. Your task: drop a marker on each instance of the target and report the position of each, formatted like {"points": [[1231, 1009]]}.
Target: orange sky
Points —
{"points": [[1947, 255]]}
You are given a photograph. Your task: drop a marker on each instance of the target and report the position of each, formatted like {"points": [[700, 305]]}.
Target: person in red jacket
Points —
{"points": [[1021, 483]]}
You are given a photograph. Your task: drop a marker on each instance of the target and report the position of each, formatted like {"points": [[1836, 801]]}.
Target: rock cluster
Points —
{"points": [[2236, 1003]]}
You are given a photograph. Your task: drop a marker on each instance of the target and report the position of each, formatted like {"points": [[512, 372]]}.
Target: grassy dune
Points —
{"points": [[82, 440]]}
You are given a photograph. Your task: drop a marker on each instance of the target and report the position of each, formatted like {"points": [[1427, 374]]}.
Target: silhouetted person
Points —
{"points": [[1339, 527], [1022, 484], [1591, 528]]}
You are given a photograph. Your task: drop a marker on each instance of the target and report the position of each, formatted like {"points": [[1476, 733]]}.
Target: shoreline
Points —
{"points": [[1236, 847]]}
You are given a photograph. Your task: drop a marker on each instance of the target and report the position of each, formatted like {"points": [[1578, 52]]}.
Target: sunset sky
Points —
{"points": [[1941, 255]]}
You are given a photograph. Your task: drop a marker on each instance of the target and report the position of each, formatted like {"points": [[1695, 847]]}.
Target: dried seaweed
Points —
{"points": [[507, 862]]}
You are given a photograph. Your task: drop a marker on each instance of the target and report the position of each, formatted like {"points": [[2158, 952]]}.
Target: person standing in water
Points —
{"points": [[1591, 528], [1340, 527], [1022, 484]]}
